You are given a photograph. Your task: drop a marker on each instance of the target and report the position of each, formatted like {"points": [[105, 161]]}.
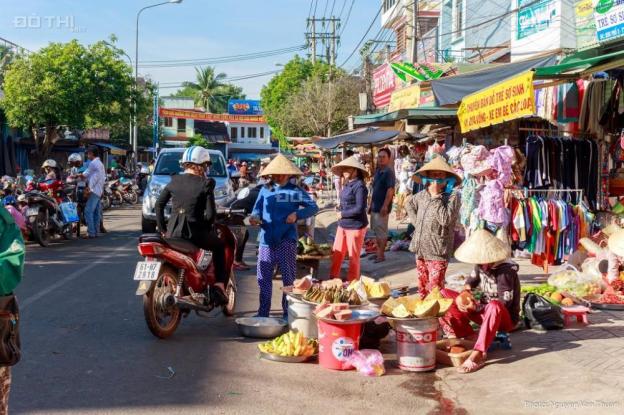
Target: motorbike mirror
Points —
{"points": [[243, 193]]}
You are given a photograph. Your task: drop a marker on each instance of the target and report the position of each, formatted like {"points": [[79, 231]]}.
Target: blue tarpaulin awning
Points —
{"points": [[361, 136]]}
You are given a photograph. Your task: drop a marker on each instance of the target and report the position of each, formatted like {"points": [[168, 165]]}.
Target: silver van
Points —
{"points": [[168, 164]]}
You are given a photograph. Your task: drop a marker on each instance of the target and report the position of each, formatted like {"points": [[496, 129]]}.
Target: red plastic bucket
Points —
{"points": [[336, 344]]}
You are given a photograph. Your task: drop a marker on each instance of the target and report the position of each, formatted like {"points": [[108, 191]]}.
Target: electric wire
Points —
{"points": [[363, 37]]}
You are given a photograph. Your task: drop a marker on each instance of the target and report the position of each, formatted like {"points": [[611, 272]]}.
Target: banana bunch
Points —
{"points": [[290, 344], [307, 246]]}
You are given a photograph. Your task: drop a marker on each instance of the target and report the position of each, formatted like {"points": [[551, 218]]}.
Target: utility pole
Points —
{"points": [[415, 32], [327, 35]]}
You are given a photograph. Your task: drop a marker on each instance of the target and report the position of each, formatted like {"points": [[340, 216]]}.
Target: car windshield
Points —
{"points": [[168, 164]]}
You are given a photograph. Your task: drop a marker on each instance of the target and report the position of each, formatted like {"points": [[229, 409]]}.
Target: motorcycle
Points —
{"points": [[129, 190], [44, 214], [171, 282], [112, 192]]}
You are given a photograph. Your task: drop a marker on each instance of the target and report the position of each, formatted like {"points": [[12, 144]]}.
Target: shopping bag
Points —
{"points": [[541, 314], [70, 212]]}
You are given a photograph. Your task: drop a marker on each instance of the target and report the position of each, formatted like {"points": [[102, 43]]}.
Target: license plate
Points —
{"points": [[147, 270], [32, 211], [135, 187]]}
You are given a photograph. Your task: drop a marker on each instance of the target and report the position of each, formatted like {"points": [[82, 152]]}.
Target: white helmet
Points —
{"points": [[195, 155], [74, 158], [21, 198], [49, 163]]}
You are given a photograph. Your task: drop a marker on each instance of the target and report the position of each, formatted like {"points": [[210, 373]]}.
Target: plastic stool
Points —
{"points": [[501, 341], [578, 312]]}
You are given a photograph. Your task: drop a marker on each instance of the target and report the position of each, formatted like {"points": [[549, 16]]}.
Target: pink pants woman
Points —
{"points": [[347, 241]]}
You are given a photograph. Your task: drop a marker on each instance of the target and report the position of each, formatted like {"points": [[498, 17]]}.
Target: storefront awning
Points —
{"points": [[114, 150], [426, 115], [576, 64], [362, 136], [453, 89]]}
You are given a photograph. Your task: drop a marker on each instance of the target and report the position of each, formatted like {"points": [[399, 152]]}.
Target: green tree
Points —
{"points": [[199, 140], [276, 93], [6, 56], [66, 85], [210, 91]]}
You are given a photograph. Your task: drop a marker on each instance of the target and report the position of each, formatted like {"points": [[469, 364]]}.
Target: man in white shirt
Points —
{"points": [[96, 175]]}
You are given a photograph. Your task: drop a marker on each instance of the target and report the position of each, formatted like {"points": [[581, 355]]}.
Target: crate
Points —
{"points": [[453, 359]]}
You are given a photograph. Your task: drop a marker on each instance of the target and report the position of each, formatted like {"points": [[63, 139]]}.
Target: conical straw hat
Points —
{"points": [[281, 165], [349, 162], [482, 248], [438, 164], [616, 243]]}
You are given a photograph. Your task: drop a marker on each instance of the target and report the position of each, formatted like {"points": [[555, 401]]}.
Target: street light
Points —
{"points": [[136, 73]]}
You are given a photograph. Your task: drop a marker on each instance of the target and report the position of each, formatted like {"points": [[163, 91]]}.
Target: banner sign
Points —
{"points": [[585, 24], [507, 100], [206, 116], [609, 16], [420, 72], [405, 98], [536, 17], [244, 107], [384, 83]]}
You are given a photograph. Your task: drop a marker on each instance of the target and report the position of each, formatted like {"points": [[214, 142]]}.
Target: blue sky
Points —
{"points": [[190, 30]]}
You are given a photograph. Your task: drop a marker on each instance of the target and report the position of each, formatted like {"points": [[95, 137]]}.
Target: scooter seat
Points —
{"points": [[181, 245]]}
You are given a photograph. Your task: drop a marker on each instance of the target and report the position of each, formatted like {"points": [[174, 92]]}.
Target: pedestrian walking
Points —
{"points": [[433, 213], [11, 269], [352, 217], [381, 202], [96, 176], [278, 207]]}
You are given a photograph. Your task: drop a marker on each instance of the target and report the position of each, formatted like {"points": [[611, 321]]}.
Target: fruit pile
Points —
{"points": [[290, 344], [434, 305], [373, 289], [337, 311], [335, 294], [307, 246], [549, 292]]}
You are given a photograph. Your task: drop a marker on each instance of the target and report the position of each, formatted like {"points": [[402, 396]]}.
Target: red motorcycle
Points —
{"points": [[172, 284]]}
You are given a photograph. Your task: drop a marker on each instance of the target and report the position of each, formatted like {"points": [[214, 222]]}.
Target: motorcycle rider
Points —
{"points": [[193, 213], [50, 169]]}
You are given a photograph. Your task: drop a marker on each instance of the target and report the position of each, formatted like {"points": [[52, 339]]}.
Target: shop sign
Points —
{"points": [[536, 18], [384, 83], [507, 100], [609, 17], [419, 72], [585, 24], [244, 107], [206, 116], [405, 98], [427, 99]]}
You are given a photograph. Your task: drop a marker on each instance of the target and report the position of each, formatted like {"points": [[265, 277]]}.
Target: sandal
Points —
{"points": [[469, 366]]}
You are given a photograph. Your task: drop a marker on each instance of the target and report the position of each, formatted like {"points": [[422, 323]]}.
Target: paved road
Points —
{"points": [[87, 349]]}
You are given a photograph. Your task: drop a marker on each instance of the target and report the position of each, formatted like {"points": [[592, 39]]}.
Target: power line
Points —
{"points": [[325, 10], [344, 3], [348, 16], [331, 13], [180, 84], [216, 58], [363, 37], [224, 59]]}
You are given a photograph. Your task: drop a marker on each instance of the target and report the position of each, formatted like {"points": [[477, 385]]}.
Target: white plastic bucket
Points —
{"points": [[301, 317], [416, 344]]}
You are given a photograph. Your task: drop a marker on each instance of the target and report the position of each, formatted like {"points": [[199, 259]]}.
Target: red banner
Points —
{"points": [[206, 116], [384, 83]]}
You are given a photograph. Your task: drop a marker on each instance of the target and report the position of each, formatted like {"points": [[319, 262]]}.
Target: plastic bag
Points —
{"points": [[576, 283], [541, 314], [368, 362]]}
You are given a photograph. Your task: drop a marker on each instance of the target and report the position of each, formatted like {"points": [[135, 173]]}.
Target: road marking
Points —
{"points": [[29, 300]]}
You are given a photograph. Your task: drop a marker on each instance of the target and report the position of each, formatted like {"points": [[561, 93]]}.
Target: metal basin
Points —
{"points": [[261, 327]]}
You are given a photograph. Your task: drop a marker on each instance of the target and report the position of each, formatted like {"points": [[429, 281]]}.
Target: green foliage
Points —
{"points": [[6, 57], [66, 85], [210, 91], [199, 140], [289, 82]]}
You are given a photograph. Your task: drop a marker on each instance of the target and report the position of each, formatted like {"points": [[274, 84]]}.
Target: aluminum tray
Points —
{"points": [[286, 359]]}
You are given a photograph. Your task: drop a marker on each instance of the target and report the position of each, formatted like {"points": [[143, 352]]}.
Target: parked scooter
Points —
{"points": [[171, 282], [129, 190]]}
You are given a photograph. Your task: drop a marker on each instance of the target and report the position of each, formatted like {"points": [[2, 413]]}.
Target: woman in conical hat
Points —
{"points": [[498, 308], [433, 212], [615, 256], [278, 207], [352, 218]]}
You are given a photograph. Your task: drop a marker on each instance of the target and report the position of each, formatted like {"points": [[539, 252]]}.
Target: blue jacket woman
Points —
{"points": [[278, 207]]}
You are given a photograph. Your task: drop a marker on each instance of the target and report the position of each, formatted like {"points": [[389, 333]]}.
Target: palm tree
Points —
{"points": [[207, 87]]}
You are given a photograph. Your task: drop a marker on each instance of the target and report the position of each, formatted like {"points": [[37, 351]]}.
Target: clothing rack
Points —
{"points": [[579, 191]]}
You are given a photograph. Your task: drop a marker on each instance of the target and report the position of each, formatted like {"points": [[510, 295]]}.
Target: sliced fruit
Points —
{"points": [[389, 305], [400, 312], [445, 304], [434, 294], [428, 308]]}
